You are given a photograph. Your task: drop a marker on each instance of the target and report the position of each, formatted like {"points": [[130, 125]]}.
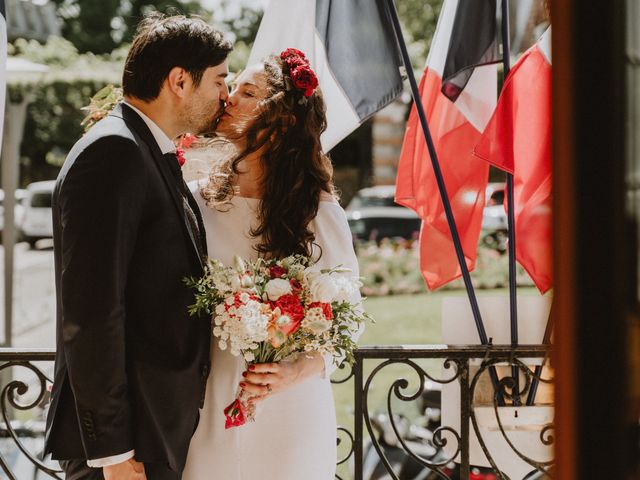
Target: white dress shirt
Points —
{"points": [[166, 145]]}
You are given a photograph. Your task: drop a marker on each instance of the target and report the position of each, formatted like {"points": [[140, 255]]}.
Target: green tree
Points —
{"points": [[419, 19], [244, 24], [132, 12], [99, 26], [88, 23]]}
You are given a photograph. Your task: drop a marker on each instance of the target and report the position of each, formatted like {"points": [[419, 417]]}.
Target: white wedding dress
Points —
{"points": [[294, 435]]}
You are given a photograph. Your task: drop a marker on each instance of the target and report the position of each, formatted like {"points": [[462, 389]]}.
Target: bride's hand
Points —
{"points": [[262, 380]]}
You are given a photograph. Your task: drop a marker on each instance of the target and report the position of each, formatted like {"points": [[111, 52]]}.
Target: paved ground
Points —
{"points": [[33, 296]]}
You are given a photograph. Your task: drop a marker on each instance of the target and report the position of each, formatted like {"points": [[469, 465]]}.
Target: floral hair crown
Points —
{"points": [[298, 69]]}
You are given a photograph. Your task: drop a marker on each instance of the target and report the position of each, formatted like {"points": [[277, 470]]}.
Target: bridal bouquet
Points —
{"points": [[269, 310]]}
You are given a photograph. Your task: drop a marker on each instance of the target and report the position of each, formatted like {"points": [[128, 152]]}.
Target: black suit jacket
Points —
{"points": [[131, 364]]}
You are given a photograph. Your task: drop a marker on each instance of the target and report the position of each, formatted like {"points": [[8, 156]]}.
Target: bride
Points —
{"points": [[274, 198]]}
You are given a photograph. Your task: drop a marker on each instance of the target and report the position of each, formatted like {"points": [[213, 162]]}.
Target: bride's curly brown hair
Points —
{"points": [[287, 127]]}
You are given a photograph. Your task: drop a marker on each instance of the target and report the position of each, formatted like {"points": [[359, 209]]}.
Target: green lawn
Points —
{"points": [[400, 320]]}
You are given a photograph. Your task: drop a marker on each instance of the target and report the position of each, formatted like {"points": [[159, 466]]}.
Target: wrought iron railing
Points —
{"points": [[443, 450]]}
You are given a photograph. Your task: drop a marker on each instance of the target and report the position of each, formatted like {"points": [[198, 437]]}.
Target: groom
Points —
{"points": [[131, 364]]}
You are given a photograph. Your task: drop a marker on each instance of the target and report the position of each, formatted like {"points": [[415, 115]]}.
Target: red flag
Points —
{"points": [[518, 140], [455, 128]]}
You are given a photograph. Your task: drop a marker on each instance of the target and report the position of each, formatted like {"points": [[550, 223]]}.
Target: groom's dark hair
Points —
{"points": [[164, 42]]}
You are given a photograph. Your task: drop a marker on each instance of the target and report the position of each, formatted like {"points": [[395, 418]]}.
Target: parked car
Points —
{"points": [[37, 221], [373, 215], [18, 210], [494, 218]]}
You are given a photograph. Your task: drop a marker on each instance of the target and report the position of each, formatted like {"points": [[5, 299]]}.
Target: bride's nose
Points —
{"points": [[231, 99]]}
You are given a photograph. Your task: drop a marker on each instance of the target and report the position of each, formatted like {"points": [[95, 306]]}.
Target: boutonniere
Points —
{"points": [[185, 142], [180, 155]]}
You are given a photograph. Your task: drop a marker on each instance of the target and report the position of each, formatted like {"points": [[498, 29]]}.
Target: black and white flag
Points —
{"points": [[351, 47]]}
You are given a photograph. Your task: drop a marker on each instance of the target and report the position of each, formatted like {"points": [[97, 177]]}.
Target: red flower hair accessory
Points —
{"points": [[299, 70]]}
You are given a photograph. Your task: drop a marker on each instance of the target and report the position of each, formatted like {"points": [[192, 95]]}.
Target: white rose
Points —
{"points": [[276, 288], [347, 288], [323, 288]]}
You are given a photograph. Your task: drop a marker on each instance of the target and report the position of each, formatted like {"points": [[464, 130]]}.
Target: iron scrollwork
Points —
{"points": [[14, 396], [20, 398], [458, 359]]}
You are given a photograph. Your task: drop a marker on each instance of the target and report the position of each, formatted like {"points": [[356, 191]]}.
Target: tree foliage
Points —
{"points": [[99, 26], [54, 114], [419, 19], [133, 11]]}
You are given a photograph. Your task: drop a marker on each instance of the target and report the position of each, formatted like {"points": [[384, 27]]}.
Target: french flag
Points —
{"points": [[351, 47], [458, 91], [3, 64], [518, 140]]}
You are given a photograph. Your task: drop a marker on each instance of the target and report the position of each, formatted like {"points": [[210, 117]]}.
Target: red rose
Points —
{"points": [[293, 62], [234, 413], [295, 286], [180, 155], [292, 52], [327, 311], [277, 272], [304, 79], [290, 305]]}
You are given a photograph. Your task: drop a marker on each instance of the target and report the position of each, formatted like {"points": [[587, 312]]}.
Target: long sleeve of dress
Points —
{"points": [[334, 244]]}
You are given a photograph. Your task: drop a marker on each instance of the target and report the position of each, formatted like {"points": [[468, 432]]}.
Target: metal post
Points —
{"points": [[513, 296], [359, 412], [533, 390], [441, 185], [465, 416]]}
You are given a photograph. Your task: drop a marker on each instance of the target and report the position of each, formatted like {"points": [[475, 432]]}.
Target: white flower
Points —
{"points": [[249, 357], [244, 297], [346, 288], [276, 288], [239, 264], [283, 321], [323, 288], [246, 281], [222, 344], [315, 321], [235, 283], [229, 300], [220, 309]]}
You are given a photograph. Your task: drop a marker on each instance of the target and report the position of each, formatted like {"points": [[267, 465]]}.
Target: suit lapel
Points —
{"points": [[132, 119]]}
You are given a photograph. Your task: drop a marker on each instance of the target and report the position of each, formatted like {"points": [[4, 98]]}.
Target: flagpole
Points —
{"points": [[513, 298], [533, 390], [475, 309]]}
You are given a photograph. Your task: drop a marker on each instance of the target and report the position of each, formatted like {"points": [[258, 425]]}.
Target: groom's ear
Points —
{"points": [[177, 81]]}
